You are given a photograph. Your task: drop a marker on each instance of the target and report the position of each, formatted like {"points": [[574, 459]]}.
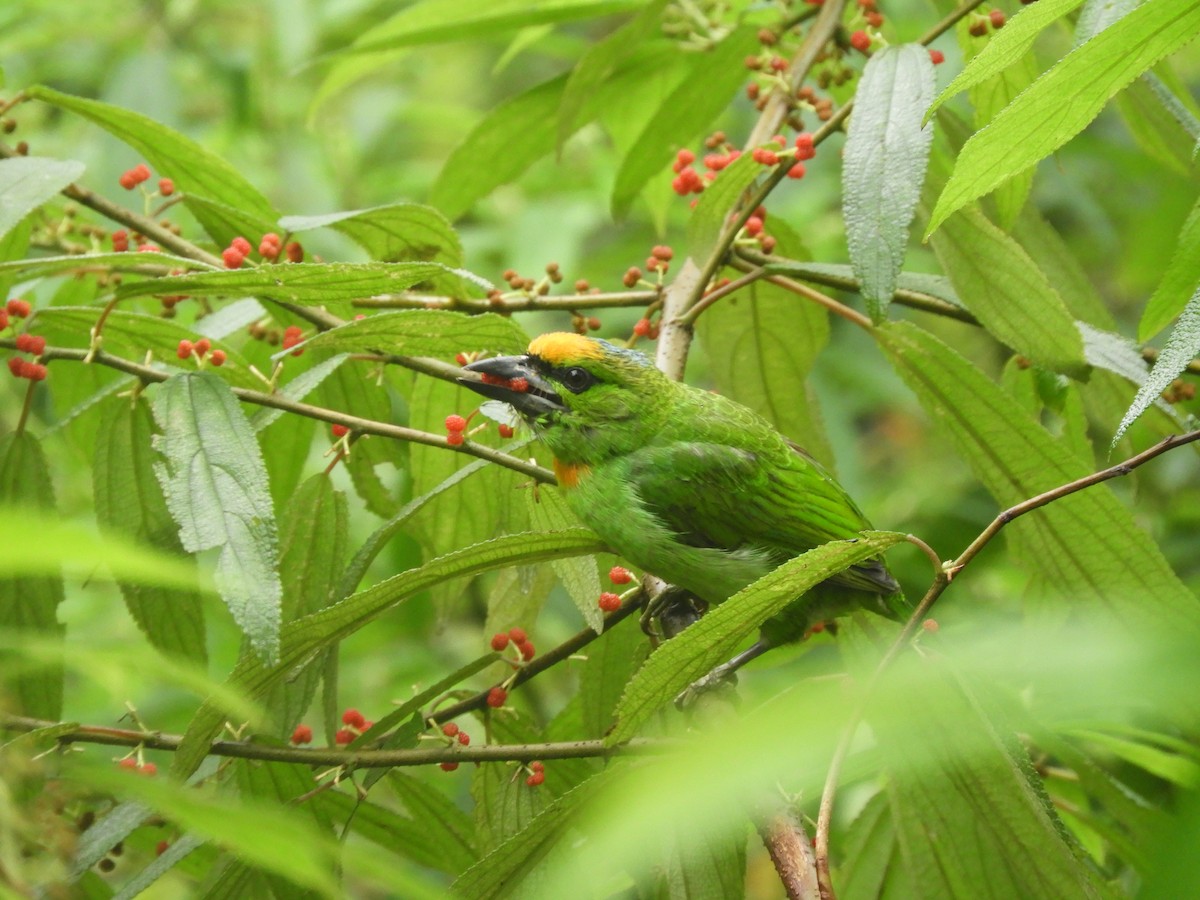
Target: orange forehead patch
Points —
{"points": [[559, 347]]}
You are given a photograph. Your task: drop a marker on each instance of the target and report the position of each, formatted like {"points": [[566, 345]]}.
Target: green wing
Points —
{"points": [[776, 499]]}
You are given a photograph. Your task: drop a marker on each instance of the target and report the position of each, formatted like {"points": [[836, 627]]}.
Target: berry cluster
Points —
{"points": [[355, 724], [981, 24], [456, 425], [537, 774], [34, 345], [293, 335], [269, 248], [131, 763], [520, 641], [453, 735], [131, 178], [200, 349], [610, 602], [755, 229]]}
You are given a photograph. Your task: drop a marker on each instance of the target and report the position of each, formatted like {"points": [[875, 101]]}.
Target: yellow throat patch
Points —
{"points": [[560, 347]]}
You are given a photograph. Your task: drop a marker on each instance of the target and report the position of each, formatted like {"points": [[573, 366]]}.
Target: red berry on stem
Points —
{"points": [[860, 41], [302, 735], [997, 18], [609, 602], [295, 252], [203, 346], [16, 365], [796, 171], [455, 439], [184, 350], [18, 309], [499, 641], [231, 258], [937, 57], [619, 575], [450, 729], [455, 423], [241, 245], [754, 226], [149, 769], [642, 327], [448, 766], [3, 319], [128, 762], [217, 358], [339, 431], [36, 372], [527, 650], [931, 626], [464, 738], [506, 431], [141, 172], [128, 180], [496, 697], [344, 736], [517, 635], [805, 148], [166, 187], [353, 718]]}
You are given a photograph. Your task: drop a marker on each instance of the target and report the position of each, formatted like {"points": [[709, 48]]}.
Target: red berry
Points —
{"points": [[496, 697], [619, 575], [271, 238], [28, 343], [184, 350], [662, 251], [3, 319], [128, 762], [535, 779], [141, 172], [631, 277], [292, 335], [241, 245], [231, 258], [149, 769], [931, 626], [683, 159], [302, 735], [527, 650], [499, 641], [765, 157], [344, 736], [860, 41], [149, 248], [217, 358], [455, 423], [161, 847], [642, 327], [128, 180], [36, 372], [16, 365], [779, 64], [754, 226], [460, 358], [517, 635], [937, 57], [609, 601], [455, 439], [997, 18], [537, 766], [506, 431], [464, 738], [353, 718], [874, 19], [268, 250], [18, 309], [978, 28], [166, 187], [796, 171], [805, 148], [295, 253], [120, 240], [339, 431], [450, 729], [203, 346], [767, 243], [448, 766]]}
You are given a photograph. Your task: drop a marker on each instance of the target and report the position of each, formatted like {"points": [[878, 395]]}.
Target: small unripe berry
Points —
{"points": [[609, 601], [997, 18], [593, 323], [496, 697], [499, 641], [302, 735], [632, 275], [295, 252], [767, 243]]}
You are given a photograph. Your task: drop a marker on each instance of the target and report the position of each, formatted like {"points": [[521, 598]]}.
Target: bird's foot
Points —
{"points": [[723, 679]]}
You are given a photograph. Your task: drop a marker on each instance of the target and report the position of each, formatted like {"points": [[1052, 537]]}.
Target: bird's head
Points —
{"points": [[586, 398]]}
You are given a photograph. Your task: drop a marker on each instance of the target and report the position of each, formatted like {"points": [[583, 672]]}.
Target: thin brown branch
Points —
{"points": [[526, 303], [149, 374], [751, 276], [942, 579], [358, 759], [803, 290]]}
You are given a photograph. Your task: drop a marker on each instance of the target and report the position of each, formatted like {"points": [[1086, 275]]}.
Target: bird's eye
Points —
{"points": [[577, 380]]}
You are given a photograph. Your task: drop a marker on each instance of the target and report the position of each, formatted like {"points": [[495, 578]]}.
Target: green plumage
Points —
{"points": [[684, 483]]}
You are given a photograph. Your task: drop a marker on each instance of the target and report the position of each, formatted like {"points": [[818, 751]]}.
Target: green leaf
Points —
{"points": [[297, 389], [312, 551], [884, 161], [1062, 269], [511, 137], [1181, 347], [1097, 15], [424, 332], [438, 21], [129, 500], [1065, 99], [841, 276], [13, 246], [29, 602], [194, 169], [54, 265], [716, 75], [1179, 281], [354, 390], [717, 203], [600, 61], [1086, 547], [303, 639], [1007, 292], [611, 663], [716, 637], [1161, 762], [448, 828], [1160, 122], [26, 182], [216, 489], [548, 511], [296, 282], [1005, 47], [874, 869], [392, 233], [504, 805], [704, 864]]}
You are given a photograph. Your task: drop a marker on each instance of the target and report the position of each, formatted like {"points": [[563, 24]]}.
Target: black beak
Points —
{"points": [[514, 380]]}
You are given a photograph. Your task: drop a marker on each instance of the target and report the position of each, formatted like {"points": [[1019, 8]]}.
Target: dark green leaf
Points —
{"points": [[716, 75], [884, 161], [1058, 263], [26, 182], [504, 805], [548, 511], [436, 21], [716, 637], [611, 663], [874, 868], [303, 639], [717, 203], [1064, 100], [216, 489], [194, 169], [129, 500], [447, 827], [1181, 347], [424, 332], [29, 602]]}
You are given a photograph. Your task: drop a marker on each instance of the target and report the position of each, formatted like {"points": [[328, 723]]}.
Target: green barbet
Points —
{"points": [[684, 483]]}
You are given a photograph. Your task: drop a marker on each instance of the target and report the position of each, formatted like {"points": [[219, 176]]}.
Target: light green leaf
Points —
{"points": [[716, 637], [424, 332], [717, 203], [303, 639], [1097, 15], [129, 500], [1179, 281], [393, 233], [437, 21], [1062, 269], [216, 489], [1181, 347], [29, 597], [1064, 100], [26, 182], [296, 282], [884, 161], [1085, 548], [716, 76], [1160, 122], [53, 265], [548, 511], [1005, 47], [194, 169], [297, 389], [611, 663], [1140, 750], [1007, 292]]}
